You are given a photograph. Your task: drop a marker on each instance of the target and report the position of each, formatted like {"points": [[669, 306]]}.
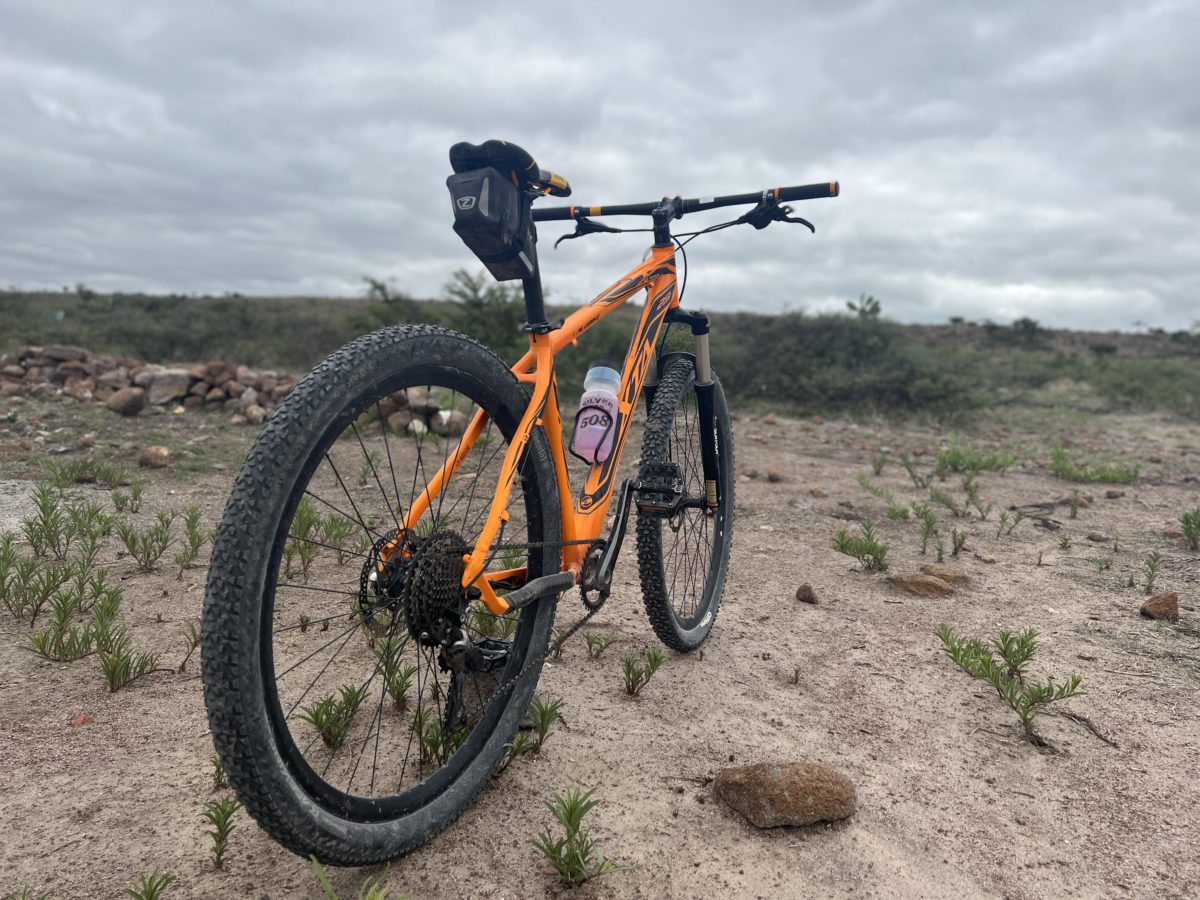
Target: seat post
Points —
{"points": [[535, 304]]}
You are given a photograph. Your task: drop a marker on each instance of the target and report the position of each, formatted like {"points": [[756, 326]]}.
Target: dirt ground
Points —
{"points": [[951, 801]]}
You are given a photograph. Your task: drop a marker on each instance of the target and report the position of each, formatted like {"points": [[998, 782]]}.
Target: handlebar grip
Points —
{"points": [[550, 213], [808, 191]]}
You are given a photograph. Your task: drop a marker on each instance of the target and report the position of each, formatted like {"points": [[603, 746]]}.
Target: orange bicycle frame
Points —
{"points": [[583, 516]]}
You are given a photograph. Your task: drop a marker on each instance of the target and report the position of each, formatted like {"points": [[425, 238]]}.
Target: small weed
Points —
{"points": [[941, 550], [556, 651], [960, 458], [545, 714], [49, 532], [220, 780], [796, 670], [220, 815], [575, 856], [397, 677], [941, 498], [373, 889], [1191, 528], [1131, 581], [194, 539], [304, 621], [1004, 665], [191, 637], [523, 743], [118, 662], [878, 463], [928, 519], [147, 546], [336, 531], [919, 480], [973, 498], [637, 674], [151, 887], [1103, 564], [331, 716], [1150, 569], [597, 643], [137, 488], [895, 510], [866, 549], [120, 501], [1074, 502], [370, 466], [1064, 543], [958, 540], [1113, 473]]}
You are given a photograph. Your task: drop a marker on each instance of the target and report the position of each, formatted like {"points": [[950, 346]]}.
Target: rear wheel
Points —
{"points": [[683, 559], [346, 722]]}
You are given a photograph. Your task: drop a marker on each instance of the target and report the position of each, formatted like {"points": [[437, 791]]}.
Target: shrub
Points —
{"points": [[575, 856], [866, 549]]}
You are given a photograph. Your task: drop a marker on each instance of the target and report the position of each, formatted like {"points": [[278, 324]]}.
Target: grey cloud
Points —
{"points": [[996, 161]]}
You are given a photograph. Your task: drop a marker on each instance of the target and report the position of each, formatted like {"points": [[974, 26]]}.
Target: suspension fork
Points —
{"points": [[709, 458]]}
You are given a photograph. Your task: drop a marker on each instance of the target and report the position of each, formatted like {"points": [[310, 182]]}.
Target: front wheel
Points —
{"points": [[683, 559], [344, 721]]}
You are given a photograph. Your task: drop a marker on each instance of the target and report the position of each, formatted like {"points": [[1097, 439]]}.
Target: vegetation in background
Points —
{"points": [[798, 362]]}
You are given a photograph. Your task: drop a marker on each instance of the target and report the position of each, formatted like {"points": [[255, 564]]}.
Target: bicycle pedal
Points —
{"points": [[659, 489]]}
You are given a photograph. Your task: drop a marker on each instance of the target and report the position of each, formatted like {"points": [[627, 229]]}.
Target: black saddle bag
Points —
{"points": [[492, 216]]}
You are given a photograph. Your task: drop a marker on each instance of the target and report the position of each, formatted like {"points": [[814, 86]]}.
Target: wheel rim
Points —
{"points": [[363, 714]]}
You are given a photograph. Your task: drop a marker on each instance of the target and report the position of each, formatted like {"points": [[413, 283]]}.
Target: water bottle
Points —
{"points": [[596, 421]]}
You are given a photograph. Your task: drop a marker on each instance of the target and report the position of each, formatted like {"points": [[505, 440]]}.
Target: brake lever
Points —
{"points": [[585, 226], [768, 210]]}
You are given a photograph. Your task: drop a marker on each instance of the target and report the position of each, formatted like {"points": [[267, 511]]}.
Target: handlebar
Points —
{"points": [[698, 204]]}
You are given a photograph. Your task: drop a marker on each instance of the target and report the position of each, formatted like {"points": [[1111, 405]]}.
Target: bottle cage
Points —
{"points": [[607, 430]]}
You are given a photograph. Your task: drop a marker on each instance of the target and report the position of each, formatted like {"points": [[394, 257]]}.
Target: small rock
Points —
{"points": [[1114, 494], [417, 427], [169, 384], [127, 401], [818, 493], [88, 440], [397, 422], [214, 394], [769, 419], [846, 504], [1173, 533], [450, 422], [255, 414], [83, 719], [421, 403], [946, 573], [61, 352], [156, 457], [238, 420], [922, 585], [1162, 606], [775, 475], [1096, 537], [774, 794], [985, 558], [806, 594]]}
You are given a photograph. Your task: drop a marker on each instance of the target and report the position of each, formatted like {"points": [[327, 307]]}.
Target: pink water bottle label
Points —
{"points": [[595, 426]]}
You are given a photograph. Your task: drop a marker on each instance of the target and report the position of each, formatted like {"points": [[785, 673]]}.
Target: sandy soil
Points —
{"points": [[952, 802]]}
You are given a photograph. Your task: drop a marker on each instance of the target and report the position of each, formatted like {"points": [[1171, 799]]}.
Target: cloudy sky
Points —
{"points": [[996, 160]]}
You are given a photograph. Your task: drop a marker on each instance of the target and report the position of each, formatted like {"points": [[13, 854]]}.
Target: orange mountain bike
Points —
{"points": [[383, 585]]}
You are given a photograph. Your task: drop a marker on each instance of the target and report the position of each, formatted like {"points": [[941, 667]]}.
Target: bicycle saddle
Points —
{"points": [[508, 158]]}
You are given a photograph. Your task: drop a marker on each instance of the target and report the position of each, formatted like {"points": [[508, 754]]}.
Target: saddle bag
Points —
{"points": [[493, 218]]}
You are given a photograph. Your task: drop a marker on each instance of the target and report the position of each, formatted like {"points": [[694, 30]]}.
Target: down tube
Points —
{"points": [[597, 491]]}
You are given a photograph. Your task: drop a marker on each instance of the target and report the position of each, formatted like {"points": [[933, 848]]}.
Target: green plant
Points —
{"points": [[49, 531], [194, 539], [28, 893], [958, 540], [941, 498], [637, 673], [120, 501], [219, 814], [928, 519], [397, 677], [597, 643], [1103, 564], [973, 497], [118, 662], [151, 887], [545, 714], [1112, 473], [1150, 569], [372, 889], [1005, 665], [137, 487], [575, 855], [147, 546], [958, 457], [796, 671], [369, 467], [1131, 581], [877, 464], [220, 779], [866, 549], [191, 637], [1191, 528], [331, 716], [918, 480], [1074, 502], [520, 745], [941, 550], [895, 510], [1064, 543], [336, 531]]}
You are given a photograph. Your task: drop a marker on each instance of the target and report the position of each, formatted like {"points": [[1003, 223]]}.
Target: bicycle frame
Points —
{"points": [[583, 518]]}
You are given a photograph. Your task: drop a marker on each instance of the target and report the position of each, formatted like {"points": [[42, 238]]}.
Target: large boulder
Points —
{"points": [[62, 352], [794, 793]]}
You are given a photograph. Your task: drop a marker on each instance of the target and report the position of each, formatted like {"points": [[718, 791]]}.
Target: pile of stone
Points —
{"points": [[127, 386]]}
